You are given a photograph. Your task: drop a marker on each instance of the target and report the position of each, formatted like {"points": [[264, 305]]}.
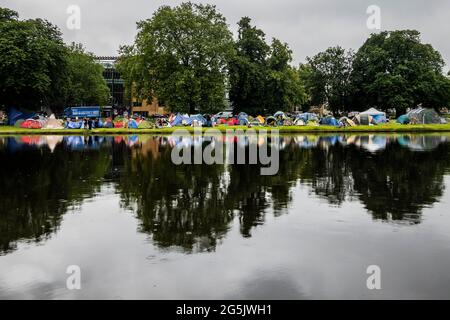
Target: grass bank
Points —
{"points": [[10, 130]]}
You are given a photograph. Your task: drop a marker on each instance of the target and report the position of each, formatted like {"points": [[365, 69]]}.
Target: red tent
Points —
{"points": [[31, 124]]}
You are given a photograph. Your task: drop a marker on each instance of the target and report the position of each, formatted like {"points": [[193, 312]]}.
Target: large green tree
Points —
{"points": [[85, 82], [261, 77], [395, 70], [33, 61], [38, 70], [181, 54], [284, 89], [327, 78], [248, 69]]}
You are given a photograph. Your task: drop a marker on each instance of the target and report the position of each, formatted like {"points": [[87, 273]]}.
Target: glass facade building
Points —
{"points": [[113, 80]]}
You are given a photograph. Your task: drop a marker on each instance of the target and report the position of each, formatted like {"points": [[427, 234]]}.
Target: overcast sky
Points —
{"points": [[309, 26]]}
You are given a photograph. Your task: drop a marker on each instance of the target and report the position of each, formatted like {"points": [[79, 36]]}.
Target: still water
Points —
{"points": [[140, 227]]}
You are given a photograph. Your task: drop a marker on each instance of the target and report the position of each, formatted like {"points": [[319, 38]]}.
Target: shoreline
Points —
{"points": [[389, 128]]}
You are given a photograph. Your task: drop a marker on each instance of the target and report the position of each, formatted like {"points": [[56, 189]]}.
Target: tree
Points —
{"points": [[393, 69], [248, 69], [181, 54], [85, 83], [33, 61], [284, 90], [261, 77], [327, 78], [8, 14]]}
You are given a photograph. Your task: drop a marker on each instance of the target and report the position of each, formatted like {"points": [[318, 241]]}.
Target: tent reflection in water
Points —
{"points": [[421, 142]]}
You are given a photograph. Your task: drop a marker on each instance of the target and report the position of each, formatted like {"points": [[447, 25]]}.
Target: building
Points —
{"points": [[113, 80], [117, 87], [144, 108]]}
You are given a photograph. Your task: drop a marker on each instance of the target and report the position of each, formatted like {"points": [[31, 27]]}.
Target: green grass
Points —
{"points": [[393, 127]]}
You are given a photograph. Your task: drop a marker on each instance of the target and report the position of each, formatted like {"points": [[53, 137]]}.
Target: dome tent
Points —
{"points": [[329, 121], [403, 119], [423, 116]]}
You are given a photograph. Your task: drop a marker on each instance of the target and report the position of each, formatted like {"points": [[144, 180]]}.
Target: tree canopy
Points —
{"points": [[393, 69], [261, 77], [180, 56], [85, 83], [33, 61], [38, 70], [327, 78]]}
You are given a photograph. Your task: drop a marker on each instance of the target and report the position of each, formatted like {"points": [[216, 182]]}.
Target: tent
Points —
{"points": [[403, 119], [144, 124], [363, 119], [423, 116], [329, 121], [271, 121], [53, 123], [307, 116], [15, 114], [178, 120], [132, 124], [280, 115], [232, 122], [243, 119], [31, 124], [196, 119], [261, 119], [346, 122], [299, 122], [377, 116]]}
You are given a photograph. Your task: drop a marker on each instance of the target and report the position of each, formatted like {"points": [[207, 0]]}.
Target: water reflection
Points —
{"points": [[192, 206]]}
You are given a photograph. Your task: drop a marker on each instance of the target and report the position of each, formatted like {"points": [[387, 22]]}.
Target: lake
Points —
{"points": [[140, 227]]}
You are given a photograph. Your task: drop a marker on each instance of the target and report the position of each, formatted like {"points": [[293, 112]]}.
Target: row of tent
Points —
{"points": [[369, 117]]}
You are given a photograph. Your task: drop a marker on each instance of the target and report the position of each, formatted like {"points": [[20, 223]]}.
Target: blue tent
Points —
{"points": [[196, 117], [132, 124], [178, 120], [15, 114], [307, 117], [243, 119], [329, 121], [280, 114], [403, 119]]}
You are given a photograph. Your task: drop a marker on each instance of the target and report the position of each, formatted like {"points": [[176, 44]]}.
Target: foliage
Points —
{"points": [[261, 78], [38, 70], [180, 56], [33, 61], [327, 78], [85, 83], [393, 69]]}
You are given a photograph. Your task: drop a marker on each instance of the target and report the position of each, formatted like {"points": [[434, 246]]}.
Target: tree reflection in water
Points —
{"points": [[192, 206]]}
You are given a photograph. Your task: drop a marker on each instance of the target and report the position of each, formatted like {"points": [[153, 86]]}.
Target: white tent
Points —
{"points": [[373, 112]]}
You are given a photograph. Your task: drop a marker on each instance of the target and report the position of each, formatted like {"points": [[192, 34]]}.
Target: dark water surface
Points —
{"points": [[141, 227]]}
